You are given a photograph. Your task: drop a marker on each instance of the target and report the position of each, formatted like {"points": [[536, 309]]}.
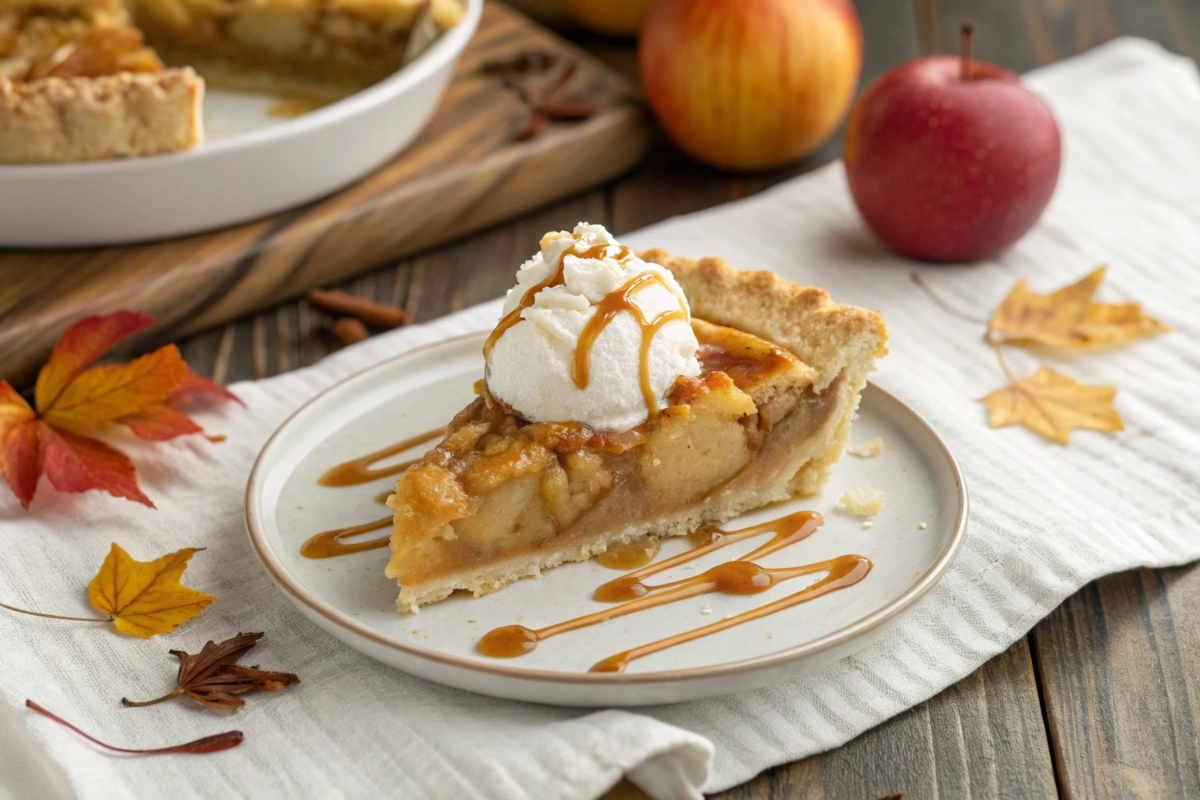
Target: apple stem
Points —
{"points": [[967, 35]]}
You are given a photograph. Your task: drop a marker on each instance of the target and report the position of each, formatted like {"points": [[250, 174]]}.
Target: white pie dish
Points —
{"points": [[350, 598], [252, 164]]}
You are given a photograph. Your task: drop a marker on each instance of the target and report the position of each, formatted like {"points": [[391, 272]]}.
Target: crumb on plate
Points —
{"points": [[861, 502], [868, 449]]}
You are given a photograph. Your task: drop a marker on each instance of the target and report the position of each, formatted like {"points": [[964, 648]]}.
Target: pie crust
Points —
{"points": [[501, 499], [84, 119]]}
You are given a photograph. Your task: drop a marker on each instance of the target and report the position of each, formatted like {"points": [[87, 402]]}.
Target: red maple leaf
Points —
{"points": [[73, 399]]}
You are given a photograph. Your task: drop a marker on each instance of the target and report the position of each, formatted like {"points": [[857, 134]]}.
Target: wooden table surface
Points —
{"points": [[1097, 700]]}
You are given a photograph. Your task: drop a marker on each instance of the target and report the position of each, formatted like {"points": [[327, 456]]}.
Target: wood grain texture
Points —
{"points": [[464, 172], [981, 738], [1120, 666]]}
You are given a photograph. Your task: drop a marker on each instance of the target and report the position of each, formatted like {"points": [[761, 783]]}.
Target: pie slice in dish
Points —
{"points": [[78, 84], [501, 499]]}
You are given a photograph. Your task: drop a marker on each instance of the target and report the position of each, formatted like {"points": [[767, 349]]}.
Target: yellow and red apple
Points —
{"points": [[749, 84]]}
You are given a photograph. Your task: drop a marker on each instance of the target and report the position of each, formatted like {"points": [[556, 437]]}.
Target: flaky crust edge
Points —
{"points": [[828, 336], [832, 338]]}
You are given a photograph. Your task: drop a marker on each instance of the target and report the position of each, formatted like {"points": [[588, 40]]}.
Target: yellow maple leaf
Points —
{"points": [[146, 598], [1069, 318], [1052, 405]]}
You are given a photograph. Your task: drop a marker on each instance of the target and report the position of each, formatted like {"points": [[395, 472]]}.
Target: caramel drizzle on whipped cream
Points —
{"points": [[555, 278], [740, 576], [606, 311]]}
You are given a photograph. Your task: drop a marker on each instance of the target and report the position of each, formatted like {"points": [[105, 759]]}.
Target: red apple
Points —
{"points": [[951, 159], [749, 84]]}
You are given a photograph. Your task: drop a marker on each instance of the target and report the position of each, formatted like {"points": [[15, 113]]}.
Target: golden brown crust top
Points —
{"points": [[825, 335]]}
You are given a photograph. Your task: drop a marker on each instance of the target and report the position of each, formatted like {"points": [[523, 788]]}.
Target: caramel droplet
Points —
{"points": [[508, 642]]}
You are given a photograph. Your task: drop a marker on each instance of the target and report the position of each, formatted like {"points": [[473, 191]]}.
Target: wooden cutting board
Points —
{"points": [[467, 170]]}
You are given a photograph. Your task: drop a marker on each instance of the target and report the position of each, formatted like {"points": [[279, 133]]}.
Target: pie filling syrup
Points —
{"points": [[488, 451]]}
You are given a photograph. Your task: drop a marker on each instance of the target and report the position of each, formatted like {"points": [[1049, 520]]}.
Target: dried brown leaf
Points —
{"points": [[214, 679]]}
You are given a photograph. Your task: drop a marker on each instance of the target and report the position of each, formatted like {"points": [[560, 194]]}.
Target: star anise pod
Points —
{"points": [[547, 104], [213, 678]]}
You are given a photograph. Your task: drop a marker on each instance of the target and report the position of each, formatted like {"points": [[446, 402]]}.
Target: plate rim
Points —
{"points": [[448, 47], [291, 586]]}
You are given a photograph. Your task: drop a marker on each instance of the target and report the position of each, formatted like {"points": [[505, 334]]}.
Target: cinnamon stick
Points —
{"points": [[341, 304]]}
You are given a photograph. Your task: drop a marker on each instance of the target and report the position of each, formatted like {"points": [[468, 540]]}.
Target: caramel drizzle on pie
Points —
{"points": [[741, 576]]}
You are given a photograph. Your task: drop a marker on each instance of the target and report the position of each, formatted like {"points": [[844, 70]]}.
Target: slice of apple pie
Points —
{"points": [[628, 395]]}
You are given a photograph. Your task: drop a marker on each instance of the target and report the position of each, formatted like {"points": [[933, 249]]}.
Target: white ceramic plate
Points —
{"points": [[251, 165], [350, 597]]}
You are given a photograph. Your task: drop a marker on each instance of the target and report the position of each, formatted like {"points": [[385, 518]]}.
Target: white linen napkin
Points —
{"points": [[1045, 519]]}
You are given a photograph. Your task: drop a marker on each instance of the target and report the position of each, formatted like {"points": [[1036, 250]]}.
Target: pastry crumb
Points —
{"points": [[922, 526], [729, 616], [867, 524], [705, 610], [868, 449], [861, 502]]}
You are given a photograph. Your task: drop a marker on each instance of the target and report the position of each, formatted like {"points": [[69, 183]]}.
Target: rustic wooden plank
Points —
{"points": [[1120, 667], [983, 737], [464, 172]]}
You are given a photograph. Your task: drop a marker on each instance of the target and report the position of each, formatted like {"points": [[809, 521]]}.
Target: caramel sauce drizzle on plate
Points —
{"points": [[329, 544], [631, 555], [358, 470], [740, 576]]}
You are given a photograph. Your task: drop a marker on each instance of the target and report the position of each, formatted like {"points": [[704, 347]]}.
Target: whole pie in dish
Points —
{"points": [[78, 84], [761, 414], [82, 80], [322, 48]]}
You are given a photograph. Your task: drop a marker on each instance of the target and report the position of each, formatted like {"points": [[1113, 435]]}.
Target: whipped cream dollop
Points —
{"points": [[531, 366]]}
